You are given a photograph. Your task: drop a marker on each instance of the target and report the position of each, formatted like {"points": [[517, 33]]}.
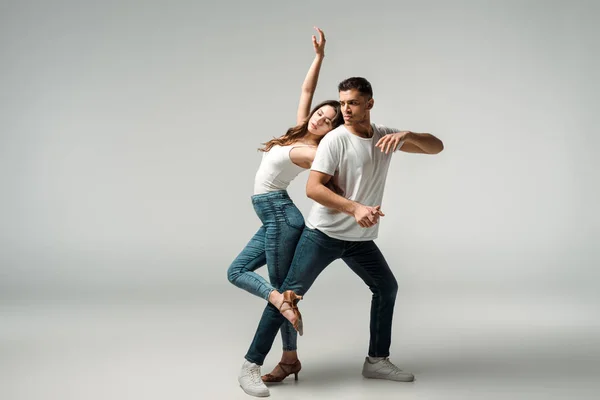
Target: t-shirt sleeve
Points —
{"points": [[327, 157], [386, 130]]}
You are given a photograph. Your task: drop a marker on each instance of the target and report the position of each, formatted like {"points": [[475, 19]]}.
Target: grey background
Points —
{"points": [[127, 158]]}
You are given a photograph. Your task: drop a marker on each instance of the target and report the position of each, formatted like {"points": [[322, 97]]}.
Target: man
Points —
{"points": [[344, 225]]}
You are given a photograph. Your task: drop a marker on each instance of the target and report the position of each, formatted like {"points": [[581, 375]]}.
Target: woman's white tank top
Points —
{"points": [[276, 170]]}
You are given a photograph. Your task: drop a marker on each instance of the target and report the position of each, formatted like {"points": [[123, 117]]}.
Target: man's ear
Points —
{"points": [[370, 103]]}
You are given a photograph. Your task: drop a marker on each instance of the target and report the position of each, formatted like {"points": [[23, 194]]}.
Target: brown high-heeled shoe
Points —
{"points": [[288, 369], [291, 299]]}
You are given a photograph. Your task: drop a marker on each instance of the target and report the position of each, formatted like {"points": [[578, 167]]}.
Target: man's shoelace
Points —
{"points": [[255, 375], [389, 364]]}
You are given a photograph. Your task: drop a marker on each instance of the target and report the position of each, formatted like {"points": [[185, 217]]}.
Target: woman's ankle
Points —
{"points": [[275, 298], [289, 357]]}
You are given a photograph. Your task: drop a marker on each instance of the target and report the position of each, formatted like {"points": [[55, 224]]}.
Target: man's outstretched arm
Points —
{"points": [[317, 190], [411, 142]]}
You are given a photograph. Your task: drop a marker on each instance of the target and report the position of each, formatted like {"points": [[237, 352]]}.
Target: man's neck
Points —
{"points": [[362, 129]]}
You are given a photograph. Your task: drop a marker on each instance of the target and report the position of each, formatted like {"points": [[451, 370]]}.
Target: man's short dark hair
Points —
{"points": [[358, 83]]}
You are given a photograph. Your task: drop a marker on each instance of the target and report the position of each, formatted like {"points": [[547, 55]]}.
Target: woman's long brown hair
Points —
{"points": [[297, 132]]}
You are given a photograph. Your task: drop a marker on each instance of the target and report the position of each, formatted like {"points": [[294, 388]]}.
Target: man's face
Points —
{"points": [[355, 106]]}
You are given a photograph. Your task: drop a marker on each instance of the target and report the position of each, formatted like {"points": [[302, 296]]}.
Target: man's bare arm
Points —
{"points": [[317, 190], [411, 142], [422, 143]]}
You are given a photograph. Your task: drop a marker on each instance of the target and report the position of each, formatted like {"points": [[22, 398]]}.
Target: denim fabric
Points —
{"points": [[315, 251], [274, 245]]}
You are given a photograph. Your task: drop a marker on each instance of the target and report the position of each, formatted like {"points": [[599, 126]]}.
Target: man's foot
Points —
{"points": [[282, 371], [250, 380], [384, 369]]}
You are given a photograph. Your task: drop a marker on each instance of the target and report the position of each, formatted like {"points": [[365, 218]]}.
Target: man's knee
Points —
{"points": [[389, 290], [393, 289]]}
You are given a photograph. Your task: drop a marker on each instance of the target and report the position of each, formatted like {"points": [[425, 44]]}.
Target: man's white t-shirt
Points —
{"points": [[360, 170]]}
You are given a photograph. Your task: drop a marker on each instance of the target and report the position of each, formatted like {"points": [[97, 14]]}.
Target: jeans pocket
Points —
{"points": [[293, 216]]}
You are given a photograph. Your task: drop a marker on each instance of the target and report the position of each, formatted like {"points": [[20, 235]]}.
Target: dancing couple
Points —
{"points": [[348, 157]]}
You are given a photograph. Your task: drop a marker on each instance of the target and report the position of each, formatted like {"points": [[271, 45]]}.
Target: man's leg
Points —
{"points": [[314, 252], [366, 260]]}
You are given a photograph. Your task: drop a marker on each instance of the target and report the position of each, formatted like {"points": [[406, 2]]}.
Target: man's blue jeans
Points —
{"points": [[315, 251], [274, 245]]}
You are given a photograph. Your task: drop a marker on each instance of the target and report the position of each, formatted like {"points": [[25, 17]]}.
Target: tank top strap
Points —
{"points": [[293, 146]]}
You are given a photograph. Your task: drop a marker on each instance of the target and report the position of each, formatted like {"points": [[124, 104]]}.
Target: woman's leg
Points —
{"points": [[282, 236], [290, 228], [241, 271], [315, 251], [274, 245]]}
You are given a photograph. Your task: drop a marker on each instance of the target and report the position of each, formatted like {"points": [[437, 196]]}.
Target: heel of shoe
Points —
{"points": [[299, 326], [288, 369]]}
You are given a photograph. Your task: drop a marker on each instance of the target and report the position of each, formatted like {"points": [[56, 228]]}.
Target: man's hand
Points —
{"points": [[366, 216], [392, 141]]}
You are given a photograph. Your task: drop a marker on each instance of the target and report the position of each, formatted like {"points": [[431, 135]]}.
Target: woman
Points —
{"points": [[274, 243]]}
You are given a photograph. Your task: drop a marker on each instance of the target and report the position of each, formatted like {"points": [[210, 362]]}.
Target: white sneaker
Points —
{"points": [[250, 380], [384, 369]]}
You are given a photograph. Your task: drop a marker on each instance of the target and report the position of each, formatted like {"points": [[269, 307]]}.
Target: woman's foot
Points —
{"points": [[286, 303], [288, 365]]}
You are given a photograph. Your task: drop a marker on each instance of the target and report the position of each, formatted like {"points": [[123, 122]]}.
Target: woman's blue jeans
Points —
{"points": [[274, 245]]}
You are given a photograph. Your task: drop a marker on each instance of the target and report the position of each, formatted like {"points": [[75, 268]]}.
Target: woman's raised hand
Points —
{"points": [[320, 44]]}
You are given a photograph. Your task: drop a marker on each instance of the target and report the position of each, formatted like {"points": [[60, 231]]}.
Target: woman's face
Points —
{"points": [[321, 121]]}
